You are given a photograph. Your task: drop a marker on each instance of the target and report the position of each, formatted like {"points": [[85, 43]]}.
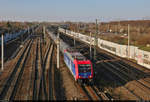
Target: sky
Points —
{"points": [[73, 10]]}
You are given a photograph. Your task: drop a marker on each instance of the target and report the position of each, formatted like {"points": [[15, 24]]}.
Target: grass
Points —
{"points": [[121, 41], [144, 48]]}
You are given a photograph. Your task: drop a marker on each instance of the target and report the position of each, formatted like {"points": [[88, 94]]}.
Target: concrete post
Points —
{"points": [[28, 30], [44, 31], [90, 47], [58, 50], [74, 39], [2, 48], [44, 34], [128, 40], [95, 43]]}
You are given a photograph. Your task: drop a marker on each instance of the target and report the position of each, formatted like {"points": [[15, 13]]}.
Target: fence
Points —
{"points": [[142, 57]]}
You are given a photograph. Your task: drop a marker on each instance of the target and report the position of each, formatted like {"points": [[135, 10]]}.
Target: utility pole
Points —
{"points": [[77, 29], [74, 39], [90, 47], [29, 35], [116, 28], [128, 41], [22, 39], [95, 44], [2, 47], [139, 30], [33, 30], [28, 30], [129, 47], [44, 33], [119, 27], [58, 42], [108, 28]]}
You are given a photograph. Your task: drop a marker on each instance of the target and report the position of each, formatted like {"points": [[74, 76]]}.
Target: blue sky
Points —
{"points": [[74, 10]]}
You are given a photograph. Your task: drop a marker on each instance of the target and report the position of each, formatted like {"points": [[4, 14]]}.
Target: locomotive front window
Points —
{"points": [[83, 68]]}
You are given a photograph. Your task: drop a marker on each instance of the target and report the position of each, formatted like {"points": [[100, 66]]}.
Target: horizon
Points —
{"points": [[75, 11], [76, 21]]}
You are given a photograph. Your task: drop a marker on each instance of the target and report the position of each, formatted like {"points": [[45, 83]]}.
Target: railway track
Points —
{"points": [[29, 79], [24, 86], [91, 93], [123, 73], [117, 82], [43, 86], [32, 71], [47, 53], [117, 66], [43, 71], [46, 86], [101, 94], [41, 94], [121, 81], [37, 73], [38, 83], [85, 90], [20, 75], [19, 84], [52, 95], [124, 76], [47, 65], [10, 87]]}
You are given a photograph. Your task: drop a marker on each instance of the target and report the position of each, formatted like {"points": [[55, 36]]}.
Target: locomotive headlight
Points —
{"points": [[90, 76]]}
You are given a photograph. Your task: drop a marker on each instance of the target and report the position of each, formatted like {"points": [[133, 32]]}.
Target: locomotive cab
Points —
{"points": [[85, 72]]}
